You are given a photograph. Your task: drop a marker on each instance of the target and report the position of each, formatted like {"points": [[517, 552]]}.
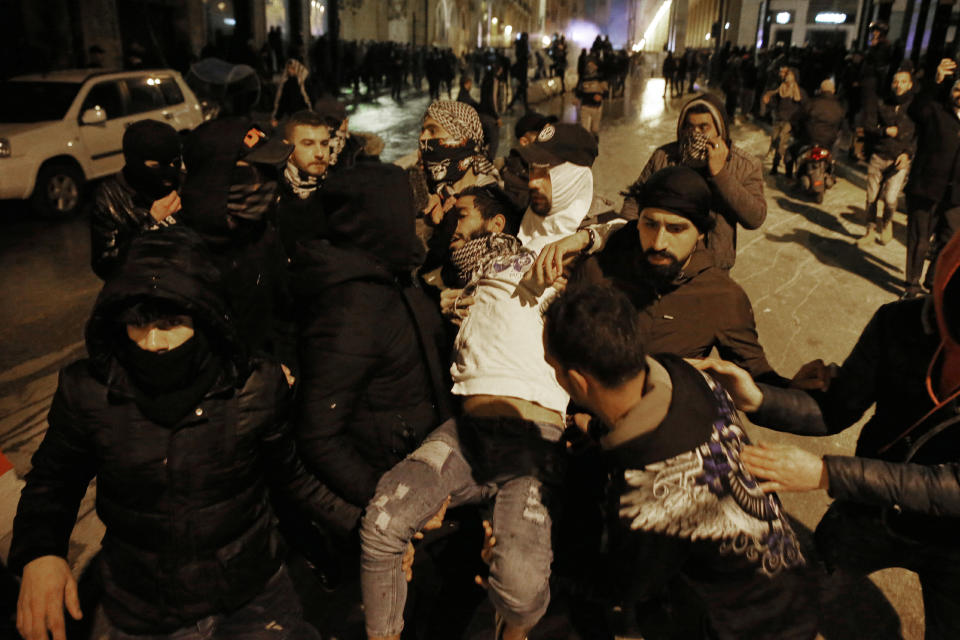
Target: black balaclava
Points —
{"points": [[152, 140], [167, 385]]}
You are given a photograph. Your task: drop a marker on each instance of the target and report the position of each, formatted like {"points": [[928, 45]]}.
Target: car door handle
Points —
{"points": [[168, 115]]}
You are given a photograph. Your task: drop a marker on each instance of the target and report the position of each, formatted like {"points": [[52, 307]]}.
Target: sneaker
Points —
{"points": [[869, 237]]}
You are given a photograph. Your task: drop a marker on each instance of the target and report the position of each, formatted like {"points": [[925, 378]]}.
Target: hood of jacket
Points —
{"points": [[572, 187], [370, 228], [717, 110], [171, 264], [945, 379]]}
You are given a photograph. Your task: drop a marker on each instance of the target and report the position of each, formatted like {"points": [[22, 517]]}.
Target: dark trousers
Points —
{"points": [[275, 614], [854, 538], [926, 218]]}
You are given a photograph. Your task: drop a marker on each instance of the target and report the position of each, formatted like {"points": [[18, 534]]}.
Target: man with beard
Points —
{"points": [[560, 182], [890, 134], [933, 191], [734, 178], [505, 449], [141, 197], [299, 209], [453, 157], [687, 304]]}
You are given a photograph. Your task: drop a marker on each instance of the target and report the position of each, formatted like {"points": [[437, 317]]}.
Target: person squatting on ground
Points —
{"points": [[680, 503], [933, 190], [735, 178], [141, 197], [897, 501], [890, 134], [183, 433], [504, 450]]}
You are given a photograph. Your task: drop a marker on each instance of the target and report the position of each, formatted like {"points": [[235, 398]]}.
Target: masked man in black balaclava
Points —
{"points": [[230, 198], [141, 197]]}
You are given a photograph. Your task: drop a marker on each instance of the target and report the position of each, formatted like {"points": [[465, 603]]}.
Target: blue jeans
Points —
{"points": [[275, 614], [414, 490]]}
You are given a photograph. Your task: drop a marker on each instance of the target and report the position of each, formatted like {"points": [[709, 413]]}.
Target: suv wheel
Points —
{"points": [[58, 189]]}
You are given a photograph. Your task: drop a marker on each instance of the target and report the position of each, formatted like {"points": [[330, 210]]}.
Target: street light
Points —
{"points": [[507, 30], [545, 41], [494, 21]]}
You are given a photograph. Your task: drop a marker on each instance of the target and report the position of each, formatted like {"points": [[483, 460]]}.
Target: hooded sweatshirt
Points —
{"points": [[372, 346], [737, 189], [572, 194]]}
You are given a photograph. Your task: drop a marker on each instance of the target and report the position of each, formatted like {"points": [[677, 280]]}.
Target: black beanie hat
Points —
{"points": [[150, 140], [682, 191]]}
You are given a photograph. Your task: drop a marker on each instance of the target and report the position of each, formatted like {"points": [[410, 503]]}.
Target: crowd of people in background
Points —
{"points": [[420, 376]]}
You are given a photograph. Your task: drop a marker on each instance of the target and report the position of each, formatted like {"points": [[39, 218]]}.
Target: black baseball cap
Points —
{"points": [[532, 121], [559, 143], [260, 148]]}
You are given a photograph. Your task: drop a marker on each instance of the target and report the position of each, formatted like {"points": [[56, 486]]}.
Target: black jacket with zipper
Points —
{"points": [[189, 527]]}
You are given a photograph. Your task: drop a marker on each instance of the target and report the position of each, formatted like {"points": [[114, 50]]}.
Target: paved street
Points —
{"points": [[812, 289]]}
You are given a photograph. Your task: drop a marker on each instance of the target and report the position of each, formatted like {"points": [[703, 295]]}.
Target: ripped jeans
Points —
{"points": [[414, 490]]}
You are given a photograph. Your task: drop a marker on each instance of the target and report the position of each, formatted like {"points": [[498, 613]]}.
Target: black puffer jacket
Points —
{"points": [[189, 525], [372, 345], [888, 368], [119, 215]]}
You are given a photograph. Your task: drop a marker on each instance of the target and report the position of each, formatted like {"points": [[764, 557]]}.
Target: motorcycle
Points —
{"points": [[815, 171]]}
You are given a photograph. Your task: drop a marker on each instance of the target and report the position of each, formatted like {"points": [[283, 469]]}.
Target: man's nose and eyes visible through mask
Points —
{"points": [[541, 189]]}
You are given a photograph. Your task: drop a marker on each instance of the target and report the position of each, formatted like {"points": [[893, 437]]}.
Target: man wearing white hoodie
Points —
{"points": [[505, 450]]}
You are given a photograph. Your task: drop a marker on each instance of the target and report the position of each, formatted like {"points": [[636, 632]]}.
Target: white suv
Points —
{"points": [[60, 129]]}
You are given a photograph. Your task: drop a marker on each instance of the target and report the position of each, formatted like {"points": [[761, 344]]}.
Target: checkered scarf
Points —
{"points": [[467, 263], [463, 124]]}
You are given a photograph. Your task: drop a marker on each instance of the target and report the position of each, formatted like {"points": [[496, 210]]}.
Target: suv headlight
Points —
{"points": [[5, 148]]}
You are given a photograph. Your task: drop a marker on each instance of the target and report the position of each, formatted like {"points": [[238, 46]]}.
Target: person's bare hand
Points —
{"points": [[165, 206], [945, 68], [288, 375], [406, 564], [486, 552], [717, 154], [785, 467], [454, 306], [814, 376], [892, 131], [435, 522], [737, 382], [902, 162], [47, 587], [552, 260]]}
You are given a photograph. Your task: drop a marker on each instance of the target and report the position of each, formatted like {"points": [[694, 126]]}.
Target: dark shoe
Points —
{"points": [[912, 291], [773, 170]]}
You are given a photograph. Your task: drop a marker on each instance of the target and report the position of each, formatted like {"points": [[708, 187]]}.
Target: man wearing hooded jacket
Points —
{"points": [[141, 197], [735, 178], [897, 502], [183, 433]]}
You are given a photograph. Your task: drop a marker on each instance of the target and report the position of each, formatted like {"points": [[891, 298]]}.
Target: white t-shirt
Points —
{"points": [[499, 349]]}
